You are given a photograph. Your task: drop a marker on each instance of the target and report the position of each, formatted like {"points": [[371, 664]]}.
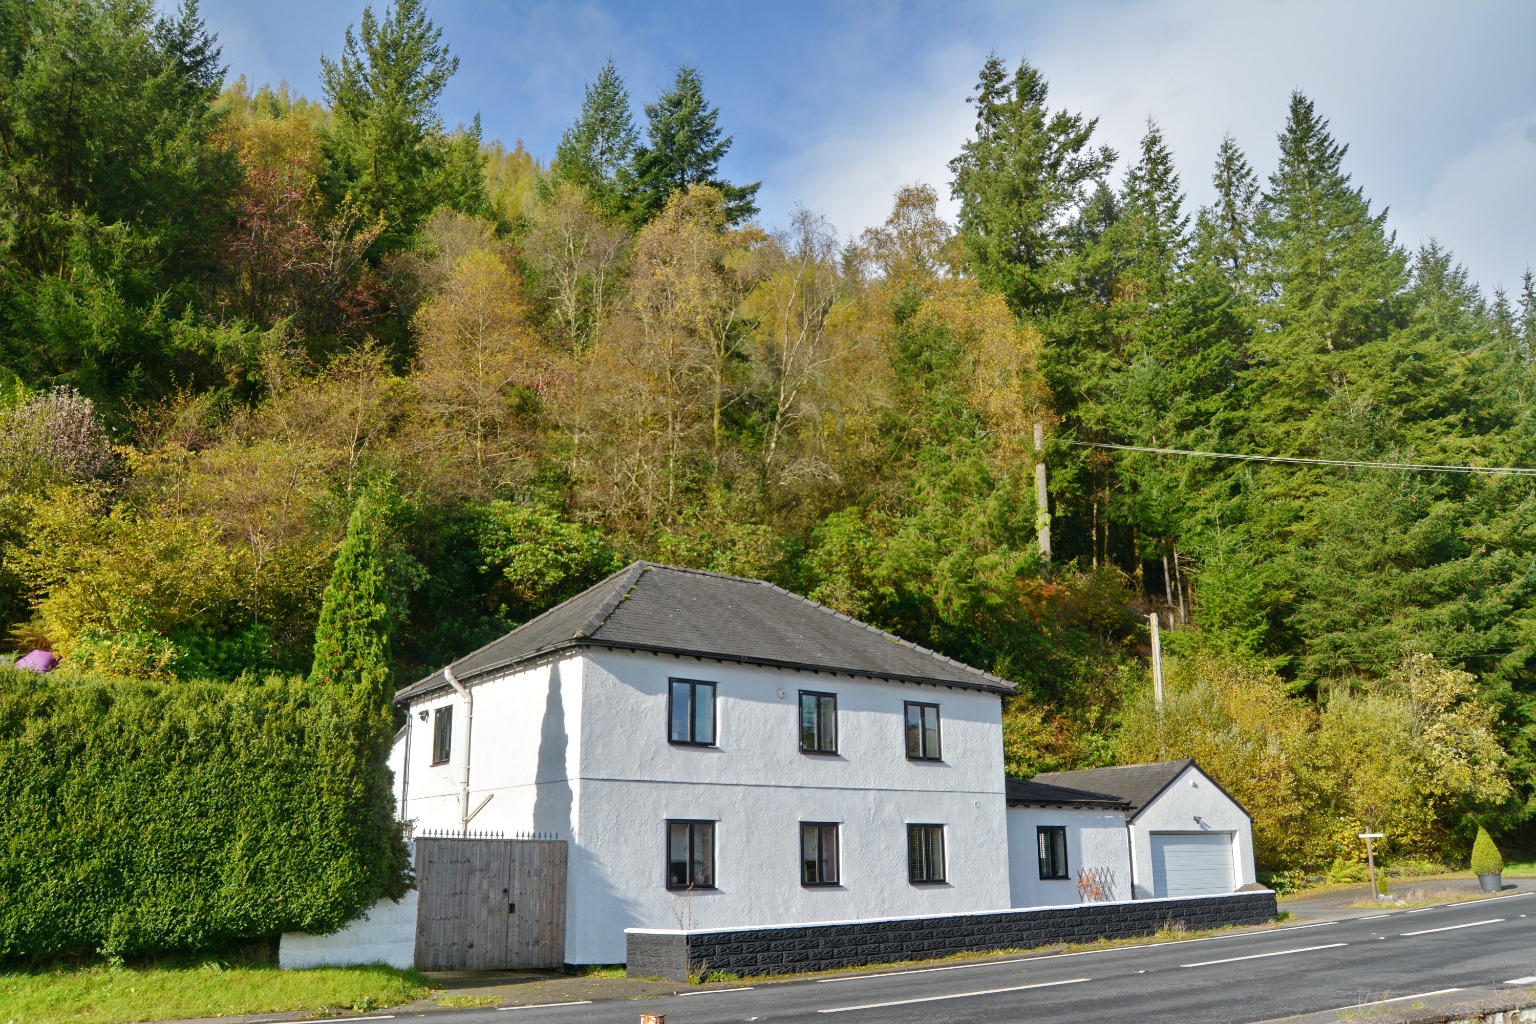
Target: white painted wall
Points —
{"points": [[386, 934], [758, 786], [1191, 794], [1095, 839], [523, 754]]}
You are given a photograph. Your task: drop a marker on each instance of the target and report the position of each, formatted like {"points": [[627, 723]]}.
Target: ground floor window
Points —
{"points": [[1053, 851], [690, 855], [818, 853], [925, 853]]}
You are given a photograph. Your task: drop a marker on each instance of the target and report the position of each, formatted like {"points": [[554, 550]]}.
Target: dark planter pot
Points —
{"points": [[1491, 883]]}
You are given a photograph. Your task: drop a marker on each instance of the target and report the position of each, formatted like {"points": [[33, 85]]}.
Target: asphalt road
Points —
{"points": [[1231, 979]]}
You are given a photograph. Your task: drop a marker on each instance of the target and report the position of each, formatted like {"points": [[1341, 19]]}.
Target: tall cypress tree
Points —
{"points": [[596, 150], [353, 640], [685, 149]]}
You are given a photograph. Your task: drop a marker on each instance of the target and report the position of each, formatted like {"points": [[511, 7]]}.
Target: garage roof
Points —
{"points": [[668, 610], [1033, 793], [1136, 784]]}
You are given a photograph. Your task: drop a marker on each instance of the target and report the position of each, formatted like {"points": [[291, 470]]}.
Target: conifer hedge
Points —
{"points": [[142, 817]]}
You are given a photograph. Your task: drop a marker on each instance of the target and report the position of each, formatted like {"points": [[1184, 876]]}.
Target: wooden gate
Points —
{"points": [[489, 904]]}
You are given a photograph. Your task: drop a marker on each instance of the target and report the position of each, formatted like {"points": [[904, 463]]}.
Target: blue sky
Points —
{"points": [[837, 104]]}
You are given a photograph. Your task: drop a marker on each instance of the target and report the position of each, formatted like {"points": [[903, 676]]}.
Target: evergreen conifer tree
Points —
{"points": [[388, 150], [1224, 231], [1019, 181], [597, 149], [685, 147], [353, 639], [1153, 224], [1528, 309]]}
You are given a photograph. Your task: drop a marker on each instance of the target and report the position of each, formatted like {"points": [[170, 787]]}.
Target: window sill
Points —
{"points": [[821, 885], [928, 881], [691, 888], [692, 743], [925, 760], [437, 764], [818, 753]]}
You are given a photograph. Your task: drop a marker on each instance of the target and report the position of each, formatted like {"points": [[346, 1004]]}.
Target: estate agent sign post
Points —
{"points": [[1370, 858]]}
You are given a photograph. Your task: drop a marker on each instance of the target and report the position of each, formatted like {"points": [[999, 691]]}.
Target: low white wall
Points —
{"points": [[1192, 794], [386, 934], [1095, 839]]}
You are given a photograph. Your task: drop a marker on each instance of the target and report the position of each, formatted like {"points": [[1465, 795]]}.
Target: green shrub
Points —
{"points": [[141, 817], [1486, 858], [1345, 871]]}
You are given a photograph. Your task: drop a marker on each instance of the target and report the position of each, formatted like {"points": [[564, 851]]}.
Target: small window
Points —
{"points": [[818, 853], [925, 853], [1053, 851], [818, 722], [691, 712], [922, 732], [690, 855], [442, 734]]}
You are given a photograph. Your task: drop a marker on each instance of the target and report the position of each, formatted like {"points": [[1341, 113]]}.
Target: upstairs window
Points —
{"points": [[442, 734], [922, 731], [1053, 851], [691, 712], [690, 855], [925, 853], [818, 853], [818, 722]]}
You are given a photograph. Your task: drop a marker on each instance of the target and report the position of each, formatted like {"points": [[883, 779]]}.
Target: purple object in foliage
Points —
{"points": [[37, 661]]}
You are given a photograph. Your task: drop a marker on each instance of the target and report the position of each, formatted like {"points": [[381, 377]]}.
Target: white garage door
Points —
{"points": [[1191, 863]]}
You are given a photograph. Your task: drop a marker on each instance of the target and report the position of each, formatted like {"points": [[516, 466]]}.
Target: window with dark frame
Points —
{"points": [[818, 853], [922, 732], [690, 854], [691, 712], [818, 722], [1053, 851], [442, 734], [925, 853]]}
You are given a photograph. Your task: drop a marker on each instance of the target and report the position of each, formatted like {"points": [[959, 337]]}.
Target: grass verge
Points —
{"points": [[106, 995]]}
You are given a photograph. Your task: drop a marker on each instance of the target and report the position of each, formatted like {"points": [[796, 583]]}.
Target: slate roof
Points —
{"points": [[1136, 784], [692, 613], [1031, 792]]}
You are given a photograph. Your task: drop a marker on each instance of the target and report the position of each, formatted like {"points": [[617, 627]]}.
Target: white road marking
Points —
{"points": [[1396, 999], [341, 1020], [1377, 917], [1260, 956], [717, 991], [1081, 952], [1527, 980], [1420, 910], [1453, 927], [957, 995], [540, 1006]]}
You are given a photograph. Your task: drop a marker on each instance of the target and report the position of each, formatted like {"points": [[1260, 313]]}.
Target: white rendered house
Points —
{"points": [[717, 751]]}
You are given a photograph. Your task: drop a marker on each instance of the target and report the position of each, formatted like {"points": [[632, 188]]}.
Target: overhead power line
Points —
{"points": [[1411, 467]]}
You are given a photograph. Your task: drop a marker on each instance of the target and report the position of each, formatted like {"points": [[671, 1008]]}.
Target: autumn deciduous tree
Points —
{"points": [[480, 371], [576, 256]]}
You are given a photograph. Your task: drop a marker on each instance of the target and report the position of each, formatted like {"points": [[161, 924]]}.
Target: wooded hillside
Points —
{"points": [[227, 310]]}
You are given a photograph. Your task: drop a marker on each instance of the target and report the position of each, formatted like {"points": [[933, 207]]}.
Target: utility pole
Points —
{"points": [[1157, 662], [1042, 497]]}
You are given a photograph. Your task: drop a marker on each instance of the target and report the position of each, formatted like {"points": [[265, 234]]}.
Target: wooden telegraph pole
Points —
{"points": [[1042, 497], [1157, 662]]}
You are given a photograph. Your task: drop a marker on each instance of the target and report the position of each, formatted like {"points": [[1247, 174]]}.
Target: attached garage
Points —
{"points": [[1187, 836], [1191, 863]]}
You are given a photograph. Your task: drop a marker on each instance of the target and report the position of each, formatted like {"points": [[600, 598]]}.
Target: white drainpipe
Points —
{"points": [[469, 732]]}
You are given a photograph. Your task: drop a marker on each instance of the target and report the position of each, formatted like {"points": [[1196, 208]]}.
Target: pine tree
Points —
{"points": [[596, 151], [1019, 182], [353, 639], [1528, 310], [387, 146], [1224, 231], [685, 149]]}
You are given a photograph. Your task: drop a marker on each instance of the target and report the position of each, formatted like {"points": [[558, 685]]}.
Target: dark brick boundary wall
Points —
{"points": [[789, 949]]}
